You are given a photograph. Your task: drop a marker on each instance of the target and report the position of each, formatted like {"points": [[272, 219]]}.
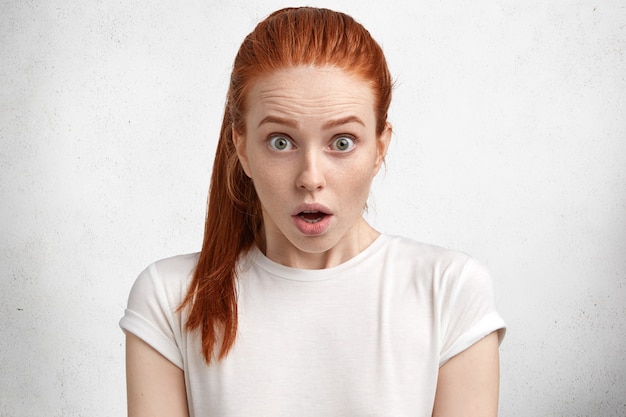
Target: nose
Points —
{"points": [[311, 175]]}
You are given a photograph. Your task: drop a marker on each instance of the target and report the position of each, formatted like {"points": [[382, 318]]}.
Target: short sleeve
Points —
{"points": [[468, 311], [152, 313]]}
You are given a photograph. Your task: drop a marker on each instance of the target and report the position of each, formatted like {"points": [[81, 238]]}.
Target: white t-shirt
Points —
{"points": [[364, 338]]}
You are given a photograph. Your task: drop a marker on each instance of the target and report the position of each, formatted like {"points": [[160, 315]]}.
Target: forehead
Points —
{"points": [[310, 92]]}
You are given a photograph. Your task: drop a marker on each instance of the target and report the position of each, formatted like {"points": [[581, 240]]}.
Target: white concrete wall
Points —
{"points": [[510, 144]]}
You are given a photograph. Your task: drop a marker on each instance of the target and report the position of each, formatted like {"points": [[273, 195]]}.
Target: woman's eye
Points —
{"points": [[343, 143], [280, 143]]}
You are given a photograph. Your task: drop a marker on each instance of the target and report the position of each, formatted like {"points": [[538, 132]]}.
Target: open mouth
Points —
{"points": [[312, 216]]}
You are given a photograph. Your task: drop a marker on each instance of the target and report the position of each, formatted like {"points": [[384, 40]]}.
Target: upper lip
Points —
{"points": [[311, 207]]}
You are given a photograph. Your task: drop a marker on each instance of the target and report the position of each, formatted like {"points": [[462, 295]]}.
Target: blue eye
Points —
{"points": [[343, 143], [280, 143]]}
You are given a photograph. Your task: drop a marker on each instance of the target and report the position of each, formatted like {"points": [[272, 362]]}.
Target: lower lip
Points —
{"points": [[312, 229]]}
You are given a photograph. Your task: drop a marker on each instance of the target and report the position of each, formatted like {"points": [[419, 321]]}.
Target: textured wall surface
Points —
{"points": [[510, 144]]}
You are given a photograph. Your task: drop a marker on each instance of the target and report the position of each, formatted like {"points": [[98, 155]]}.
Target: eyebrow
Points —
{"points": [[343, 121], [294, 124], [279, 121]]}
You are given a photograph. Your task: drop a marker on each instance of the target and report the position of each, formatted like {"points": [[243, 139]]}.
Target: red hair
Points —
{"points": [[287, 38]]}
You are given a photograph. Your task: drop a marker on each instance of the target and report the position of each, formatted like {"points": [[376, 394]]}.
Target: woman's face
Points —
{"points": [[311, 149]]}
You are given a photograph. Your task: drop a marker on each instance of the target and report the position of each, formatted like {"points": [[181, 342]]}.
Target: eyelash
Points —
{"points": [[289, 142], [348, 137], [272, 141]]}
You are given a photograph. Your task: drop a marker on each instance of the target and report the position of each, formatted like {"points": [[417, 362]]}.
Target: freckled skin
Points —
{"points": [[315, 112]]}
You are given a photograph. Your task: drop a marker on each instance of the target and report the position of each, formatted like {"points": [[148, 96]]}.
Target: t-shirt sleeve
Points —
{"points": [[151, 314], [468, 311]]}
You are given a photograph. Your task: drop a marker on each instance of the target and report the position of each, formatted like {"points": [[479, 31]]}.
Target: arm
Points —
{"points": [[468, 383], [155, 386]]}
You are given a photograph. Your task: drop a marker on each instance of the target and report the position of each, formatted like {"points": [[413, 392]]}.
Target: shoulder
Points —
{"points": [[423, 254], [151, 313], [165, 279], [437, 265], [176, 266]]}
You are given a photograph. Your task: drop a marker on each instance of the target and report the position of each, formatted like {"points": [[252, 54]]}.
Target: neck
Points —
{"points": [[351, 244]]}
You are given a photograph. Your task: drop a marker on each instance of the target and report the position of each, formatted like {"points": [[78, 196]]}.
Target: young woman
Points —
{"points": [[296, 306]]}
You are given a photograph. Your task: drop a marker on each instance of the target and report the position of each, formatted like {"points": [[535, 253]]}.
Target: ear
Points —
{"points": [[382, 145], [240, 147]]}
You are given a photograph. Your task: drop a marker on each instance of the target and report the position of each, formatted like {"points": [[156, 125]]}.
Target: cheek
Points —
{"points": [[356, 185], [270, 184]]}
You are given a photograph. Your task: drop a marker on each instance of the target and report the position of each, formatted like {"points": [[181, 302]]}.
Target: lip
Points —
{"points": [[311, 207], [312, 229]]}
